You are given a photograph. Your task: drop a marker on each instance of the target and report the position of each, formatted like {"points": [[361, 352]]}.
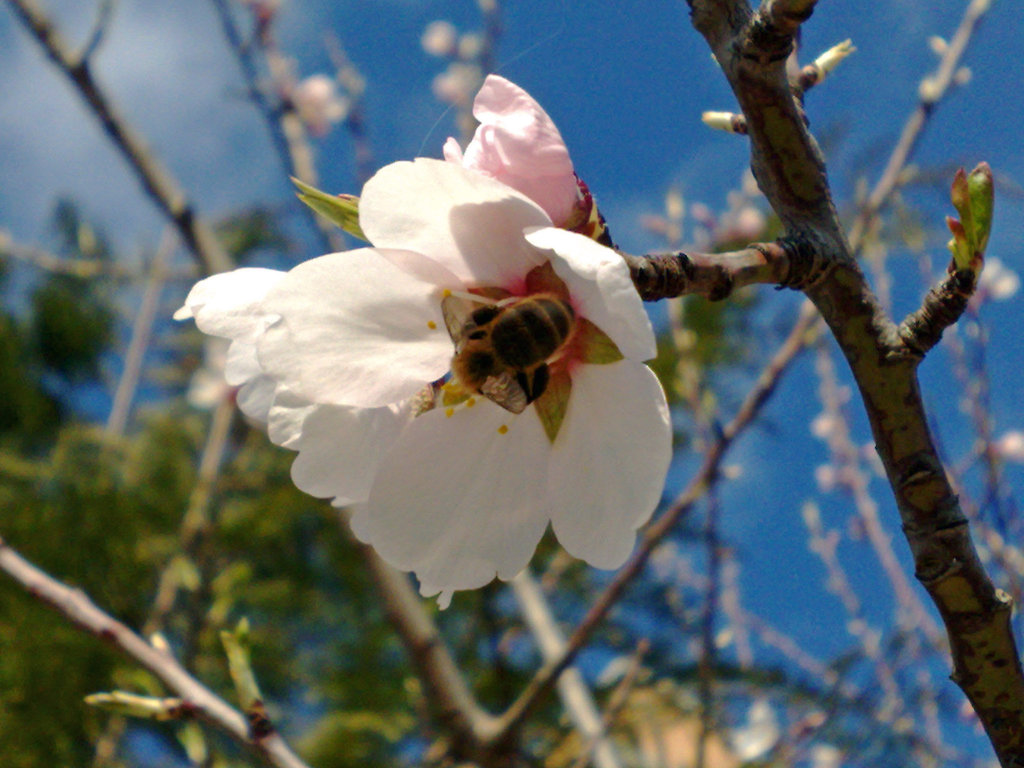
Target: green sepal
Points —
{"points": [[133, 705], [594, 345], [553, 402], [342, 210]]}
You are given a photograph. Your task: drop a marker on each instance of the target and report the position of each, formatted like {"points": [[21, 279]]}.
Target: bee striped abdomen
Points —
{"points": [[533, 331]]}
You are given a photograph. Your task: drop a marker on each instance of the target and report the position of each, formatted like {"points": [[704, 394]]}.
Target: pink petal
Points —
{"points": [[518, 144]]}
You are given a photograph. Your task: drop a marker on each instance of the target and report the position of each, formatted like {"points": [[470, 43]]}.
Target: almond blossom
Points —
{"points": [[443, 481]]}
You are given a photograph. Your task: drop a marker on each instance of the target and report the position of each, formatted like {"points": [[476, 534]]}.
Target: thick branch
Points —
{"points": [[789, 169], [472, 732], [161, 187], [787, 263], [198, 700]]}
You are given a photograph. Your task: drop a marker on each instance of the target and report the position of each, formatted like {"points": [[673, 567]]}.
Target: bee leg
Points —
{"points": [[536, 383]]}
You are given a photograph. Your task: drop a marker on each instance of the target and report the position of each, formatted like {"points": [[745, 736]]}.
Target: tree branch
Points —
{"points": [[198, 700], [471, 731], [787, 263], [576, 697], [941, 308], [929, 97], [287, 133], [790, 171], [156, 180]]}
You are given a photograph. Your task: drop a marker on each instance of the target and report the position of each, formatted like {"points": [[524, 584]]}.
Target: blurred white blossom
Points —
{"points": [[457, 84], [997, 282], [760, 733], [319, 104], [439, 38], [825, 756], [1011, 446]]}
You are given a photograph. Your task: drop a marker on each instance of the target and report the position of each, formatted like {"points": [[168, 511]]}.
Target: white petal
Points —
{"points": [[241, 363], [468, 222], [340, 448], [354, 330], [228, 304], [286, 416], [598, 280], [609, 461], [456, 500], [256, 397]]}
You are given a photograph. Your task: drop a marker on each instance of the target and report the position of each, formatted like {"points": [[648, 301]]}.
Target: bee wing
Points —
{"points": [[504, 390], [456, 311]]}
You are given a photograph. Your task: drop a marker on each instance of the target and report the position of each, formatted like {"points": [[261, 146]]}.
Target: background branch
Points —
{"points": [[156, 180], [199, 700]]}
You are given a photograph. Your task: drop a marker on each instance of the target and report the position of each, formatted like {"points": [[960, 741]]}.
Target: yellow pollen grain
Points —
{"points": [[471, 402], [446, 293], [449, 412], [503, 429], [431, 324]]}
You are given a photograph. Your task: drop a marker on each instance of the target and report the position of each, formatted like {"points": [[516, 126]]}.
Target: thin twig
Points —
{"points": [[656, 531], [287, 133], [142, 328], [198, 700], [104, 14], [156, 180], [938, 85], [708, 652], [852, 475], [576, 697]]}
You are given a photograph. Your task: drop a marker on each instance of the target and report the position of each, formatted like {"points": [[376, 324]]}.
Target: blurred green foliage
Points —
{"points": [[107, 513]]}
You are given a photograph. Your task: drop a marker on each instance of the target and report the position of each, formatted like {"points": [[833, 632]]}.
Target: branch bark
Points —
{"points": [[198, 700], [751, 49]]}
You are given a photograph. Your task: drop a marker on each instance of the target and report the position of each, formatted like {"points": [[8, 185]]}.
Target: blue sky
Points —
{"points": [[626, 83]]}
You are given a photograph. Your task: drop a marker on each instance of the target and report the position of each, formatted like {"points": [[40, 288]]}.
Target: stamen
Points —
{"points": [[449, 412], [431, 325], [471, 402], [503, 429]]}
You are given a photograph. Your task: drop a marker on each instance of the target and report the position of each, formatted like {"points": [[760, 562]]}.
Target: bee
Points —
{"points": [[502, 348]]}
